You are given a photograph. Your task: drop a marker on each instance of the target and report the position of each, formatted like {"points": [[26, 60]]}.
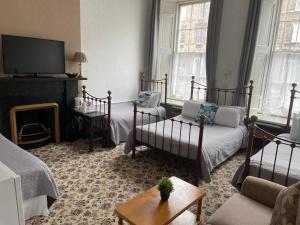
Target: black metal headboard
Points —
{"points": [[155, 85]]}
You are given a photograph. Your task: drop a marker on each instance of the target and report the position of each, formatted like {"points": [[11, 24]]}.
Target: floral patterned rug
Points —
{"points": [[92, 184]]}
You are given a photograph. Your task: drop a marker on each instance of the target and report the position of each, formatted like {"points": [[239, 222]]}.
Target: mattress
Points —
{"points": [[122, 119], [281, 166], [219, 142]]}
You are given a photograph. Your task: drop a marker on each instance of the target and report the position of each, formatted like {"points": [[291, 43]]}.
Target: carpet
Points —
{"points": [[91, 184]]}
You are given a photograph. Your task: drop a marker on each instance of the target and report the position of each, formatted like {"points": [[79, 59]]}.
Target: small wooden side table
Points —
{"points": [[147, 209], [90, 118]]}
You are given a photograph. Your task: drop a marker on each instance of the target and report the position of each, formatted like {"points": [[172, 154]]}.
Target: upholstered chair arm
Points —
{"points": [[262, 191]]}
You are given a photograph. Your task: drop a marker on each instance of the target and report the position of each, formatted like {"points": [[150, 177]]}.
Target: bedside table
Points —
{"points": [[89, 119], [172, 110]]}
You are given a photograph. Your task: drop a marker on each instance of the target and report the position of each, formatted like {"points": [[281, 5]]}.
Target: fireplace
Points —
{"points": [[30, 91], [31, 124]]}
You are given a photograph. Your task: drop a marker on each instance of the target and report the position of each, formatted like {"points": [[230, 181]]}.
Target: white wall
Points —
{"points": [[114, 36], [231, 42]]}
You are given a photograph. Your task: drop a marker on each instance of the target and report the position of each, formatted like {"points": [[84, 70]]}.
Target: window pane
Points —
{"points": [[296, 35], [190, 54], [183, 40], [284, 63], [185, 16]]}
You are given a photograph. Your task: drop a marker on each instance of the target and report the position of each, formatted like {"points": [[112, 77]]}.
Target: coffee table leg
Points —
{"points": [[199, 211], [120, 221]]}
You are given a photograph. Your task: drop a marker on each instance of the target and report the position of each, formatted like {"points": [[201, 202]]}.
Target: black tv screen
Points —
{"points": [[24, 55]]}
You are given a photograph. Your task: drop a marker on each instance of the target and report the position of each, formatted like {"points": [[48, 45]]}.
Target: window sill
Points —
{"points": [[270, 120], [175, 102]]}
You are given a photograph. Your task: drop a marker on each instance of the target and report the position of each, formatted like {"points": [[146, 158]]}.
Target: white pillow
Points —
{"points": [[191, 108], [154, 99], [242, 112], [226, 116], [295, 129]]}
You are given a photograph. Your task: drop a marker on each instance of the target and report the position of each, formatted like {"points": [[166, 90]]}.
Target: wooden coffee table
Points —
{"points": [[147, 209]]}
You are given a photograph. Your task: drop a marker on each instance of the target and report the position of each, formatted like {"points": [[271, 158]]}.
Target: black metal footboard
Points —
{"points": [[279, 144], [171, 135]]}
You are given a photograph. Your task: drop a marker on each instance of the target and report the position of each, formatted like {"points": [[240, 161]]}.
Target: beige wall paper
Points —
{"points": [[49, 19]]}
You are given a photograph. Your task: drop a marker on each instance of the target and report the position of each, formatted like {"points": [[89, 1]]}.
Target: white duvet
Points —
{"points": [[282, 162], [219, 142]]}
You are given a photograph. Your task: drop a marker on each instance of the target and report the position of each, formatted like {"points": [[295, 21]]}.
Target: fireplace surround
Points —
{"points": [[15, 137], [29, 91]]}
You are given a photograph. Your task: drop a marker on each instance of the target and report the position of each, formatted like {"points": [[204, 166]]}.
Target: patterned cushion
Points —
{"points": [[209, 110], [143, 98], [286, 206]]}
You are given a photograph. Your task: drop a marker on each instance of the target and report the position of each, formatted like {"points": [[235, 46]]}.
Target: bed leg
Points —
{"points": [[133, 153], [199, 151]]}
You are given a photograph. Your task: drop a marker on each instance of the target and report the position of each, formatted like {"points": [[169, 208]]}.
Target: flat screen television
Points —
{"points": [[24, 55]]}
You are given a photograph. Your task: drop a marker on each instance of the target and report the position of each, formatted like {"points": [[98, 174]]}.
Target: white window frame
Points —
{"points": [[176, 42], [277, 119]]}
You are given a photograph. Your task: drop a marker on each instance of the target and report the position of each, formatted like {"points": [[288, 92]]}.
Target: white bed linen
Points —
{"points": [[35, 207], [122, 119], [282, 162], [219, 142]]}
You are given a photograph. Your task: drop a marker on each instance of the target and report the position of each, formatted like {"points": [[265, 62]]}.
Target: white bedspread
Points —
{"points": [[282, 162], [219, 142], [122, 119], [281, 167]]}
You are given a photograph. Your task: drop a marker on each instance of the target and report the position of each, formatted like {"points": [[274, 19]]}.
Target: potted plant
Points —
{"points": [[165, 187]]}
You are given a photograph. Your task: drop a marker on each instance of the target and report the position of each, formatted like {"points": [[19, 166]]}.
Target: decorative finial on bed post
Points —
{"points": [[253, 120], [293, 93], [192, 87], [251, 83], [109, 97], [83, 91]]}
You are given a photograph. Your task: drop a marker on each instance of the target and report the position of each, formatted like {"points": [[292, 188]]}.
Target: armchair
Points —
{"points": [[253, 206]]}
